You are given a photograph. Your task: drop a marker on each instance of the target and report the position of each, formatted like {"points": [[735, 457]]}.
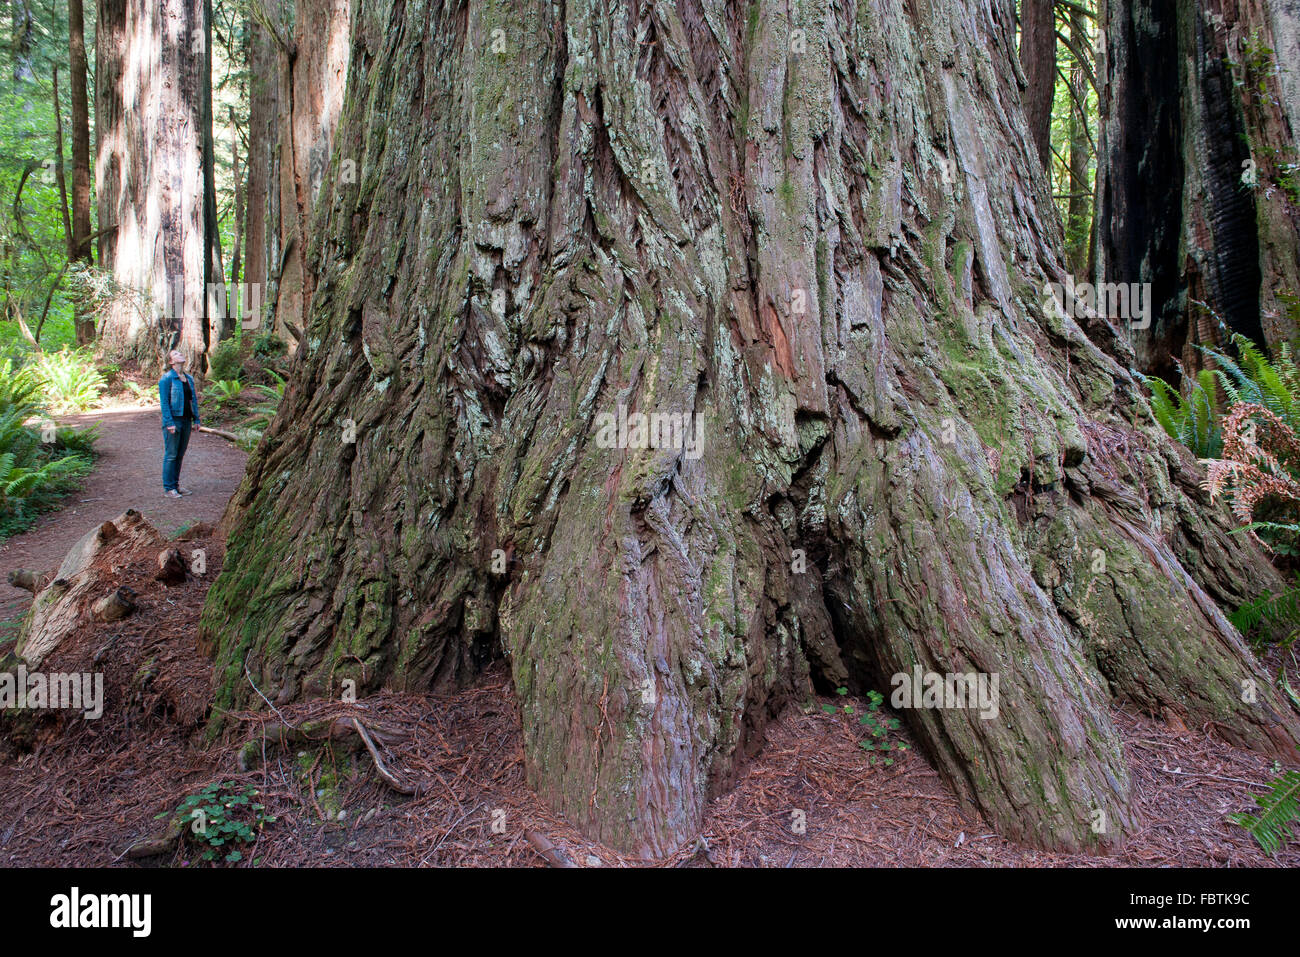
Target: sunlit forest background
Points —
{"points": [[36, 290]]}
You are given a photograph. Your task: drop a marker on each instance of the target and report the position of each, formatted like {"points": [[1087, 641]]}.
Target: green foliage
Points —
{"points": [[225, 390], [1192, 420], [1256, 67], [1271, 609], [226, 362], [1074, 125], [1279, 810], [251, 431], [143, 394], [77, 441], [1195, 419], [1253, 378], [268, 346], [68, 379], [878, 727], [220, 817], [39, 463]]}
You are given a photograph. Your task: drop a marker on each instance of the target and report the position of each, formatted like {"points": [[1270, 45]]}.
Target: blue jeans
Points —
{"points": [[174, 445]]}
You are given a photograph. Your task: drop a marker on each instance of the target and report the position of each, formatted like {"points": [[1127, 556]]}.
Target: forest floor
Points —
{"points": [[76, 792]]}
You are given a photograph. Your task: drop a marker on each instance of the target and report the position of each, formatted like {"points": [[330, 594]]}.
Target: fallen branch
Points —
{"points": [[384, 773], [220, 432]]}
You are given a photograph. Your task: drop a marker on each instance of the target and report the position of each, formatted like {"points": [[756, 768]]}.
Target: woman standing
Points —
{"points": [[180, 410]]}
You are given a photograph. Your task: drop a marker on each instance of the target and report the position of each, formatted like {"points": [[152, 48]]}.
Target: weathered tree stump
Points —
{"points": [[81, 582]]}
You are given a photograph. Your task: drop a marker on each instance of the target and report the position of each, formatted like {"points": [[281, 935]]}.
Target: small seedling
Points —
{"points": [[878, 728], [221, 816]]}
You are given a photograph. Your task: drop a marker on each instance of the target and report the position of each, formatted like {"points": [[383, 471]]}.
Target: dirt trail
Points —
{"points": [[128, 474]]}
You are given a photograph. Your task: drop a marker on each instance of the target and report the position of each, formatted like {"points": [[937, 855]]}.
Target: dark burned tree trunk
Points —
{"points": [[81, 228], [218, 313], [1038, 57], [824, 234], [154, 171], [1194, 193]]}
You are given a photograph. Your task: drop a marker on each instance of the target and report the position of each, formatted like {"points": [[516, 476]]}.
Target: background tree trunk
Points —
{"points": [[23, 38], [154, 171], [261, 234], [1191, 193], [1079, 206], [821, 230], [81, 223], [310, 98], [240, 178], [1038, 57]]}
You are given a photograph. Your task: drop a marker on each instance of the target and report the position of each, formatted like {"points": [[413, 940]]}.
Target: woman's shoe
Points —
{"points": [[184, 491], [172, 493]]}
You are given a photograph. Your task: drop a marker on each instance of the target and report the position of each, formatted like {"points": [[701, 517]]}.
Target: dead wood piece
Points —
{"points": [[156, 844], [553, 855], [338, 730], [220, 433], [194, 532], [172, 568], [114, 606], [30, 580]]}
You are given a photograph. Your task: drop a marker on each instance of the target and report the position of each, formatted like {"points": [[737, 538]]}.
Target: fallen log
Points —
{"points": [[86, 575]]}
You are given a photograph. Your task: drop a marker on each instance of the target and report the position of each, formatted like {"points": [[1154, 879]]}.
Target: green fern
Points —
{"points": [[1253, 378], [225, 390], [1193, 420], [36, 467], [1271, 608], [1280, 809]]}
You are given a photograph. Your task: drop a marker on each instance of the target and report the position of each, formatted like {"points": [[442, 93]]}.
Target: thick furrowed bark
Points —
{"points": [[815, 233]]}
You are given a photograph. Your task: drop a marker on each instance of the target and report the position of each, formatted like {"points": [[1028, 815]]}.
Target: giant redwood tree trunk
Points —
{"points": [[820, 228], [154, 175], [1195, 189]]}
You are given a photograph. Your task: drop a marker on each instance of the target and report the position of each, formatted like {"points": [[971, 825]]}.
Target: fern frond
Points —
{"points": [[1280, 810], [1283, 606]]}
